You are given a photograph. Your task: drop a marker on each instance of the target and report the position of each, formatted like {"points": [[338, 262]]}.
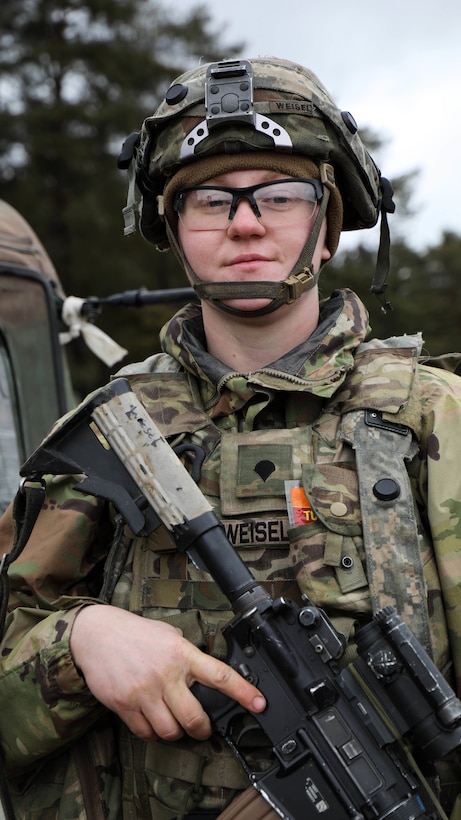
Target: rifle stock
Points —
{"points": [[346, 744]]}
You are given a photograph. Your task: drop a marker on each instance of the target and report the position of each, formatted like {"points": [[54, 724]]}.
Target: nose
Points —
{"points": [[245, 221]]}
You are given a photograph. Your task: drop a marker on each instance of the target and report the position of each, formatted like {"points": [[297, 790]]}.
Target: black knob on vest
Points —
{"points": [[386, 489]]}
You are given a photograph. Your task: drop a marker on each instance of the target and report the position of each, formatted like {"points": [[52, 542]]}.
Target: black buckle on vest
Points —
{"points": [[374, 418]]}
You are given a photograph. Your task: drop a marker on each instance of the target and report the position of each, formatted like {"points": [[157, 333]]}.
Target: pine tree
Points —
{"points": [[75, 79]]}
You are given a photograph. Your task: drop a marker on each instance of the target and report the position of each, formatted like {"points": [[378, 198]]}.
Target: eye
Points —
{"points": [[277, 198], [215, 201]]}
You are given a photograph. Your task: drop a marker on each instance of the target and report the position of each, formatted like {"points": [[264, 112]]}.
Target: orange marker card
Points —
{"points": [[298, 505]]}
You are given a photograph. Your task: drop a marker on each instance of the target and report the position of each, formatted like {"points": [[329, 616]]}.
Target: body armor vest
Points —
{"points": [[324, 507], [353, 464]]}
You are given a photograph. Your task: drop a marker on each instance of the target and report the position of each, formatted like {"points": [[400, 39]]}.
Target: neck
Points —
{"points": [[247, 345]]}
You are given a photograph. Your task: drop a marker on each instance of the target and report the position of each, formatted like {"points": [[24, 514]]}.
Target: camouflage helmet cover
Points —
{"points": [[288, 100]]}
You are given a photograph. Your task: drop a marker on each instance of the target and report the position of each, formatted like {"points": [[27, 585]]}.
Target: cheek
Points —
{"points": [[198, 248], [292, 243]]}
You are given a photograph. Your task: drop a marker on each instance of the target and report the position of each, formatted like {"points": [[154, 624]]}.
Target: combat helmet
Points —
{"points": [[264, 112]]}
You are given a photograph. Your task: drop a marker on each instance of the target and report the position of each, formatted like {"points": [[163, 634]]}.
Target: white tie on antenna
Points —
{"points": [[99, 342]]}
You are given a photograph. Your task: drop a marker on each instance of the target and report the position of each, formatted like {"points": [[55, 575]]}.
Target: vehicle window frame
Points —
{"points": [[33, 419]]}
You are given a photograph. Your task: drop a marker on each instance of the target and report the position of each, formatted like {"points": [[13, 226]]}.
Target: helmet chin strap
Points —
{"points": [[301, 278]]}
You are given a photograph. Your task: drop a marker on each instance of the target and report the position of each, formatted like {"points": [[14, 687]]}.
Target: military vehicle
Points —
{"points": [[35, 385]]}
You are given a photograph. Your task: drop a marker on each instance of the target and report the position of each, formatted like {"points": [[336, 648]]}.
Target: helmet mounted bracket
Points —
{"points": [[229, 100]]}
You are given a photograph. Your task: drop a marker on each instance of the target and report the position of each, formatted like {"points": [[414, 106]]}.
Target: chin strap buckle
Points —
{"points": [[297, 284], [327, 176]]}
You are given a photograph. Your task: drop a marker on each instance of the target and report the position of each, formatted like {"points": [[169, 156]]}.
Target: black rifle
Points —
{"points": [[357, 742]]}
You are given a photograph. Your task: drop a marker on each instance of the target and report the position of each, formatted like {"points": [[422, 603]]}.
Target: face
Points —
{"points": [[247, 250]]}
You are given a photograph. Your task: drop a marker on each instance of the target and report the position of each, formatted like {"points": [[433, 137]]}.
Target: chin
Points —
{"points": [[248, 304]]}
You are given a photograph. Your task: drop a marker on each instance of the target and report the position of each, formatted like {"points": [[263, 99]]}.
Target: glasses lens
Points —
{"points": [[283, 201], [204, 209], [275, 203]]}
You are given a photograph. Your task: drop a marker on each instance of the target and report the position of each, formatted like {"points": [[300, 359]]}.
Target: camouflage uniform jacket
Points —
{"points": [[291, 421]]}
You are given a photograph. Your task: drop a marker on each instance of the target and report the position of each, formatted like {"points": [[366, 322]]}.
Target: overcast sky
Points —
{"points": [[396, 65]]}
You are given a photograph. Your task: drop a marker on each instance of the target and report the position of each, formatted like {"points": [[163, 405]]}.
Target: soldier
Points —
{"points": [[329, 457]]}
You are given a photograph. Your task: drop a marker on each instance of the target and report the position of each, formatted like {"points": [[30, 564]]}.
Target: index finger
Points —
{"points": [[219, 675]]}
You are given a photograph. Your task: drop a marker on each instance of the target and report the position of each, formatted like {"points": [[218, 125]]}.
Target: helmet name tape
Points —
{"points": [[290, 107]]}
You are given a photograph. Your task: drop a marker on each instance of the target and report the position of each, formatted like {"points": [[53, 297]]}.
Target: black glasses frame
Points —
{"points": [[244, 193]]}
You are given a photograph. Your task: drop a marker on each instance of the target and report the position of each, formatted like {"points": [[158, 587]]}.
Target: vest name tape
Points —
{"points": [[254, 533]]}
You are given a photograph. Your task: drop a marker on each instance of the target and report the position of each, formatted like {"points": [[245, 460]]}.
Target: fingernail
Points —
{"points": [[259, 704]]}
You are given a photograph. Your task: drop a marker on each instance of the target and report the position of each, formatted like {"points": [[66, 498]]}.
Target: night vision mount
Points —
{"points": [[229, 100]]}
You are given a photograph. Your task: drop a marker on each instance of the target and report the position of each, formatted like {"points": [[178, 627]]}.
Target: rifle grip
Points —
{"points": [[212, 700]]}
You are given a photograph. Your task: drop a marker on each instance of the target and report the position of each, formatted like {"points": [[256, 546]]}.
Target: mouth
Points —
{"points": [[248, 261]]}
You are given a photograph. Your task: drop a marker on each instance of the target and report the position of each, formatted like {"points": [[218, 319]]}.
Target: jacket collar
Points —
{"points": [[319, 364]]}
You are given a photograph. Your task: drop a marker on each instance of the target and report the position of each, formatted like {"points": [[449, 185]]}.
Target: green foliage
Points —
{"points": [[423, 289], [76, 77]]}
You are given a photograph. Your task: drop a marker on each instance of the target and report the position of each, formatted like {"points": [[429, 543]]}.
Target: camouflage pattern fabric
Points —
{"points": [[257, 432], [289, 95]]}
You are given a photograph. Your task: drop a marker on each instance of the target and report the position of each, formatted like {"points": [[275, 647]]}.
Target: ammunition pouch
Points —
{"points": [[249, 805]]}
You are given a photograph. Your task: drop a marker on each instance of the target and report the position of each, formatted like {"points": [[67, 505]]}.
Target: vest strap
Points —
{"points": [[194, 768], [394, 566]]}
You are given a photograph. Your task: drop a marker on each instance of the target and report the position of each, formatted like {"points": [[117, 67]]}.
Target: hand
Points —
{"points": [[143, 669]]}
